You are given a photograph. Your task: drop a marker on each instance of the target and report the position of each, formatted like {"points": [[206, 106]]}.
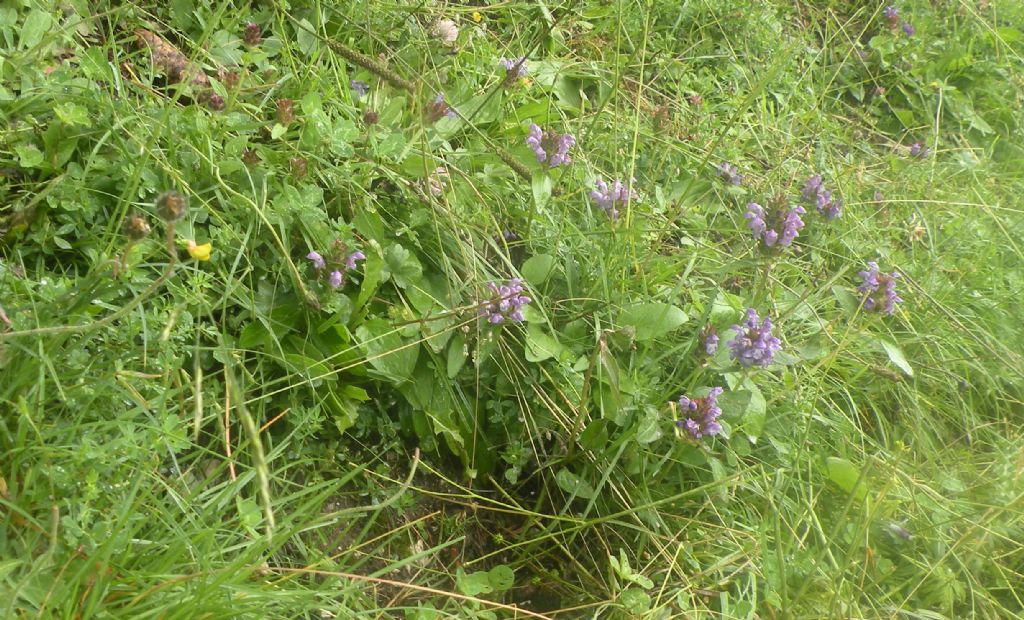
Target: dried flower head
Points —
{"points": [[446, 31], [250, 157], [892, 14], [879, 289], [754, 344], [214, 101], [171, 206], [699, 416], [253, 34], [285, 111], [299, 166], [136, 227], [370, 117], [550, 146]]}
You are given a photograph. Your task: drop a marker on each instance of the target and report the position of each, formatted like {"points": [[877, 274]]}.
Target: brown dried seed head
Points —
{"points": [[299, 167], [371, 117], [136, 227], [285, 111], [253, 34], [171, 206], [250, 158]]}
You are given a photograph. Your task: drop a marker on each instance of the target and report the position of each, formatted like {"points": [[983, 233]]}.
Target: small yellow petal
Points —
{"points": [[477, 17], [199, 252]]}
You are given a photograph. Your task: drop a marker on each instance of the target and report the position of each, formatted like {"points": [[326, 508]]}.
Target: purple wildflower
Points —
{"points": [[878, 197], [359, 87], [879, 288], [318, 261], [350, 262], [908, 29], [730, 173], [814, 192], [439, 108], [550, 146], [891, 13], [608, 198], [700, 415], [336, 279], [507, 302], [754, 343], [709, 338], [778, 227], [919, 150], [515, 68]]}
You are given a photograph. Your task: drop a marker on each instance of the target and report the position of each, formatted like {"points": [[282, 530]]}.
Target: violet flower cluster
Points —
{"points": [[359, 87], [814, 192], [730, 173], [609, 198], [550, 146], [700, 415], [507, 302], [879, 289], [754, 344], [515, 68], [892, 15], [439, 108], [336, 277], [919, 150], [776, 227], [709, 340]]}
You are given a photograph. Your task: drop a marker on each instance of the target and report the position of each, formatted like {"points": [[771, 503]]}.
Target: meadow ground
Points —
{"points": [[551, 309]]}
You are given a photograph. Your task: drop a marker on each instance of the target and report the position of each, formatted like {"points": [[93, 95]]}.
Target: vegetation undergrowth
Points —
{"points": [[582, 309]]}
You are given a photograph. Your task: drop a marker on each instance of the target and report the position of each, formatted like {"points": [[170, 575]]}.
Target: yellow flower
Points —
{"points": [[199, 252], [477, 17]]}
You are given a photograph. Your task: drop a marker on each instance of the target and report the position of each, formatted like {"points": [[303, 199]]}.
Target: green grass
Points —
{"points": [[232, 437]]}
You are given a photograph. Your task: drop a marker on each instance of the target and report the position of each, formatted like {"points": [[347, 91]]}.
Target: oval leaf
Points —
{"points": [[652, 320]]}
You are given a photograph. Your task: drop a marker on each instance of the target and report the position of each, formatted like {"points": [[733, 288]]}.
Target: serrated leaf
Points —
{"points": [[652, 320]]}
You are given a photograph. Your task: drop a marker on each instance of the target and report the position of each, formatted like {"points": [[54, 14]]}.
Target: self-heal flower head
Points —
{"points": [[754, 344], [359, 87], [515, 68], [336, 279], [891, 13], [776, 227], [318, 260], [506, 302], [879, 289], [439, 108], [609, 198], [919, 150], [908, 29], [700, 415], [814, 192], [709, 339], [549, 146], [730, 173], [350, 262]]}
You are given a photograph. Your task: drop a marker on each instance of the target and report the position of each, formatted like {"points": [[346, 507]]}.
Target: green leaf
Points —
{"points": [[385, 352], [72, 114], [541, 184], [498, 579], [29, 156], [537, 269], [457, 355], [652, 320], [845, 475], [35, 27], [896, 357], [649, 428], [401, 266], [540, 346], [635, 600], [573, 484]]}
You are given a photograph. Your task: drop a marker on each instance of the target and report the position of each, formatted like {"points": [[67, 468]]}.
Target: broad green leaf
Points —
{"points": [[457, 355], [34, 28], [896, 357], [541, 184], [649, 428], [386, 351], [635, 600], [652, 320], [573, 484], [540, 346], [537, 269], [845, 475], [401, 266]]}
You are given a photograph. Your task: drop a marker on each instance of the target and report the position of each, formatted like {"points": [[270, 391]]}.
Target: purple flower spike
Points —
{"points": [[700, 415], [549, 146], [439, 108], [919, 150], [709, 339], [359, 87], [515, 68], [506, 302], [778, 227], [337, 279], [350, 262], [891, 13], [754, 344], [814, 192], [879, 289], [908, 29], [609, 198], [730, 174], [318, 261]]}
